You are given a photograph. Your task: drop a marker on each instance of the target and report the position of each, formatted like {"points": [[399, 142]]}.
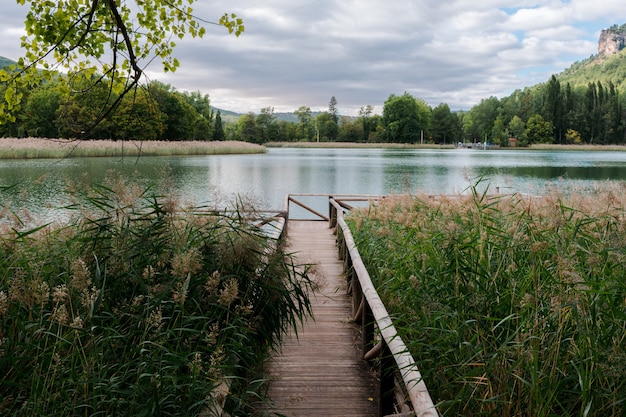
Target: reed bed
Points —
{"points": [[31, 148], [511, 305], [139, 307]]}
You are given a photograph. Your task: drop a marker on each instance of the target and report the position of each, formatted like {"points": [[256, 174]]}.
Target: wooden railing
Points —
{"points": [[402, 389]]}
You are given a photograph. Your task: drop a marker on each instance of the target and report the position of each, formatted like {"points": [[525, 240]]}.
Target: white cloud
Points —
{"points": [[360, 51]]}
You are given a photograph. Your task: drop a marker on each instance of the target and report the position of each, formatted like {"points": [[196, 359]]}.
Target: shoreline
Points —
{"points": [[39, 148], [536, 147], [34, 148], [349, 145]]}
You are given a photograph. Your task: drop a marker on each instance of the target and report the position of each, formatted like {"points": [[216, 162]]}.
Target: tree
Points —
{"points": [[202, 128], [266, 122], [333, 127], [554, 108], [326, 129], [499, 133], [304, 129], [405, 118], [40, 110], [247, 129], [350, 132], [539, 130], [285, 131], [376, 128], [81, 111], [443, 124], [138, 117], [323, 126], [482, 117], [179, 114], [517, 127], [592, 112], [517, 104], [365, 114], [218, 131], [611, 116], [573, 137], [121, 36]]}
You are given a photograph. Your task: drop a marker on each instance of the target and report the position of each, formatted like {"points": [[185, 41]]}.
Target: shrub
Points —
{"points": [[137, 307]]}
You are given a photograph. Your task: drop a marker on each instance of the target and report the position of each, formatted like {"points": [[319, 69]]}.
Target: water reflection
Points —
{"points": [[267, 178]]}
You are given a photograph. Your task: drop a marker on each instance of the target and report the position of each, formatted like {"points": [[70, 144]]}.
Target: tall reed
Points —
{"points": [[35, 148], [511, 305], [137, 307]]}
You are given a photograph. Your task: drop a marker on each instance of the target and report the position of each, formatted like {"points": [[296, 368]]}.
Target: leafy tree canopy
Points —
{"points": [[111, 39], [404, 118]]}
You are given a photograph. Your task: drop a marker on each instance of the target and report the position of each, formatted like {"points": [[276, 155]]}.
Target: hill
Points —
{"points": [[597, 68], [5, 62], [608, 65]]}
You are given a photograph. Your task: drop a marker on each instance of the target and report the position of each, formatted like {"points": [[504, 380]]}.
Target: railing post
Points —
{"points": [[332, 213], [341, 247], [368, 328], [286, 210], [357, 293], [286, 225], [387, 382]]}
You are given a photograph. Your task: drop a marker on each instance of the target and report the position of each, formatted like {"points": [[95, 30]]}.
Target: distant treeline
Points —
{"points": [[550, 113], [546, 113], [89, 108]]}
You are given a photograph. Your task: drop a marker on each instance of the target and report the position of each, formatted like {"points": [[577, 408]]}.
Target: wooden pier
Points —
{"points": [[348, 359], [320, 372]]}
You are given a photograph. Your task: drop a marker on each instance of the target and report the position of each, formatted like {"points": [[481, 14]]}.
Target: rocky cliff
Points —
{"points": [[611, 42]]}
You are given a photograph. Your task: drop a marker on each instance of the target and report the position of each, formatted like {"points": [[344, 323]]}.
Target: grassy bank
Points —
{"points": [[137, 307], [582, 148], [511, 306], [29, 148], [354, 145]]}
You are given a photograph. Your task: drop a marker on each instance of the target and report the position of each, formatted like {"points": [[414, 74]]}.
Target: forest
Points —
{"points": [[567, 109]]}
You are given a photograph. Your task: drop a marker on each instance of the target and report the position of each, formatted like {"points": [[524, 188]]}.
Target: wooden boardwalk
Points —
{"points": [[321, 373]]}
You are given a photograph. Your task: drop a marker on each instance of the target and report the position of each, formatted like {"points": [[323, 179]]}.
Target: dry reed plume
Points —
{"points": [[512, 305]]}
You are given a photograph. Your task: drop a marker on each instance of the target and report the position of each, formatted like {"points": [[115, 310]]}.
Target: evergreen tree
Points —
{"points": [[332, 130], [365, 114], [218, 129], [554, 108]]}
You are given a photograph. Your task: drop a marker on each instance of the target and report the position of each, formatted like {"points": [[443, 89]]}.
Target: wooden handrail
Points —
{"points": [[304, 206], [391, 342], [341, 199]]}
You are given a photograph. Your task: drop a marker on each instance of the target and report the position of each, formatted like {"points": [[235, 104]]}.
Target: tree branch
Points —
{"points": [[132, 58]]}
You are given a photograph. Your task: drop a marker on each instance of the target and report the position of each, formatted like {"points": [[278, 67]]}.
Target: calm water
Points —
{"points": [[267, 178]]}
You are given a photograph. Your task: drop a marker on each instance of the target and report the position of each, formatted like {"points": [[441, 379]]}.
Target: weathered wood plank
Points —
{"points": [[321, 372]]}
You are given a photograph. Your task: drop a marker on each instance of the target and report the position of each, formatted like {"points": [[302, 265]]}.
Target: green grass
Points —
{"points": [[511, 306], [137, 307]]}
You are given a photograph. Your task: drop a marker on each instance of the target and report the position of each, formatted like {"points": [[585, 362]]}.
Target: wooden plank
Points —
{"points": [[321, 373]]}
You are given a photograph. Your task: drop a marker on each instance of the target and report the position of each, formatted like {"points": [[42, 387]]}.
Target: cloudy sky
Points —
{"points": [[303, 52]]}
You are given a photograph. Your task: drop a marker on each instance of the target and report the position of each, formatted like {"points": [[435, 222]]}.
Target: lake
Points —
{"points": [[267, 178]]}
